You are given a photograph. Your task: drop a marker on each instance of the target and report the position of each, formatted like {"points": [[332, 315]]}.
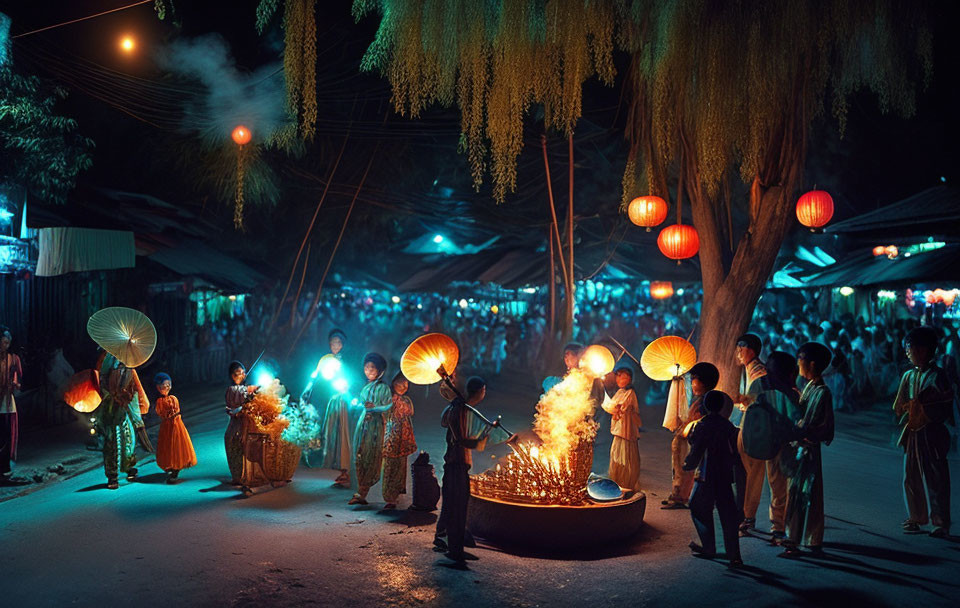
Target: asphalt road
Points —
{"points": [[197, 543]]}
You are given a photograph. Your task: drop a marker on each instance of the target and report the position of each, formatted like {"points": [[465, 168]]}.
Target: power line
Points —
{"points": [[50, 27]]}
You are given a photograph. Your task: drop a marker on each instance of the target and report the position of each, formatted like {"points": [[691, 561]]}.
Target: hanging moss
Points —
{"points": [[727, 76]]}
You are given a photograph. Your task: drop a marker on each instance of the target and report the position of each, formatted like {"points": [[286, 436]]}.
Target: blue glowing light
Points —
{"points": [[341, 385], [329, 367], [438, 239], [5, 216], [264, 378]]}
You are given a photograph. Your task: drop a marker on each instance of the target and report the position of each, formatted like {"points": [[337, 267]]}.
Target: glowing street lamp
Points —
{"points": [[128, 44]]}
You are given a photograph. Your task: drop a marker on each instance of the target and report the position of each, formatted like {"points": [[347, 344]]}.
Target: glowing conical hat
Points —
{"points": [[425, 355], [667, 357], [125, 333]]}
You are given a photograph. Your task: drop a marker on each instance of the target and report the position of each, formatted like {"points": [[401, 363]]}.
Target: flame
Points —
{"points": [[564, 417], [556, 471]]}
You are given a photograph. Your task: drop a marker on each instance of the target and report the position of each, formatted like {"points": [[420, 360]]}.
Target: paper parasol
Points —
{"points": [[425, 355], [125, 333], [598, 360], [667, 357]]}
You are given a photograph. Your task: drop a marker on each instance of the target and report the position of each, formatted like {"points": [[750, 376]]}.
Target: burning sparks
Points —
{"points": [[556, 471]]}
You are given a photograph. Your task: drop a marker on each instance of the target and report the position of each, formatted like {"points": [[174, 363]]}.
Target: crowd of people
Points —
{"points": [[724, 447]]}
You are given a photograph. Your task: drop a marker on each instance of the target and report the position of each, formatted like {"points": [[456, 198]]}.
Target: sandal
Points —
{"points": [[672, 505], [911, 526]]}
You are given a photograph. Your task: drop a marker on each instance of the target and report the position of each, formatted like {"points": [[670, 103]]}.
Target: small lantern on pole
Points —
{"points": [[241, 136]]}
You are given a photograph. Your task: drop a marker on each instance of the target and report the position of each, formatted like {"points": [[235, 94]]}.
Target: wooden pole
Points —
{"points": [[552, 280], [553, 208], [306, 236], [571, 289], [296, 298], [316, 298]]}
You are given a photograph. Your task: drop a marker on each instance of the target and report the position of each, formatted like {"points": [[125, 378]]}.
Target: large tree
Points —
{"points": [[725, 92], [721, 97], [41, 151]]}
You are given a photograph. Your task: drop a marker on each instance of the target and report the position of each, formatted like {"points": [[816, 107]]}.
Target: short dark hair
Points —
{"points": [[707, 373], [573, 347], [234, 366], [337, 333], [6, 330], [751, 341], [624, 366], [781, 370], [161, 378], [817, 354], [714, 401], [377, 360], [474, 385], [924, 336]]}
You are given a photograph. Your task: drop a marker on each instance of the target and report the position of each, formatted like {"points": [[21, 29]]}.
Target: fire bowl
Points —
{"points": [[556, 526]]}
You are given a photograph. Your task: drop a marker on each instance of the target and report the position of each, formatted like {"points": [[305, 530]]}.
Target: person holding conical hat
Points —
{"points": [[128, 338]]}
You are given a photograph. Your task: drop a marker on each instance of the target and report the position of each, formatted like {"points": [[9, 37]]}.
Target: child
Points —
{"points": [[703, 377], [376, 400], [767, 425], [121, 418], [713, 453], [802, 458], [335, 434], [624, 426], [174, 448], [237, 394], [924, 404], [398, 442], [451, 533]]}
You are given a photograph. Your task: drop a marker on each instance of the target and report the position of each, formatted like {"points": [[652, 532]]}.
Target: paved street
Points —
{"points": [[149, 544]]}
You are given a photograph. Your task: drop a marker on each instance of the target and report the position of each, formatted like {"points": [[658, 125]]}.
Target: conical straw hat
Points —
{"points": [[667, 357], [125, 333]]}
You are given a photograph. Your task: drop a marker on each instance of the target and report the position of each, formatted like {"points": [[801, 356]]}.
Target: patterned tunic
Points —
{"points": [[369, 435], [399, 440]]}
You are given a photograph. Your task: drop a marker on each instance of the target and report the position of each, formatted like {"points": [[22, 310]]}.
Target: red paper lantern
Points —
{"points": [[814, 209], [679, 242], [647, 211], [241, 135], [879, 250], [661, 290]]}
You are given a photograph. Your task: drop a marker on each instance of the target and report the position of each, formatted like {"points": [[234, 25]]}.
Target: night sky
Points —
{"points": [[881, 159]]}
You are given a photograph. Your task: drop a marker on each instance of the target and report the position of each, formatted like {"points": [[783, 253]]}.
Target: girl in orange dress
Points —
{"points": [[174, 448]]}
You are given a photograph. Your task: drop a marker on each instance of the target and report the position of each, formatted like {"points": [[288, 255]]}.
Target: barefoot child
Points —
{"points": [[803, 459], [398, 442], [174, 448], [624, 426], [925, 404], [377, 401]]}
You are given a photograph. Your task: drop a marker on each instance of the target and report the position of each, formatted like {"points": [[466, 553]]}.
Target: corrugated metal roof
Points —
{"points": [[935, 210], [865, 269]]}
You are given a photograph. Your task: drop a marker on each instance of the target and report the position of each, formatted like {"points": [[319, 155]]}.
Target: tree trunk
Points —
{"points": [[730, 297]]}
